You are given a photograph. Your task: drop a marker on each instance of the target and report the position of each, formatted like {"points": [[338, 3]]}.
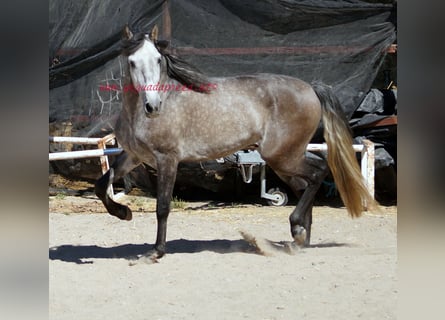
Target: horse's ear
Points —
{"points": [[162, 45], [127, 34], [154, 33]]}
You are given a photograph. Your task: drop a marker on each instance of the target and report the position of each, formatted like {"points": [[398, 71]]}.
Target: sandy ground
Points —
{"points": [[211, 272]]}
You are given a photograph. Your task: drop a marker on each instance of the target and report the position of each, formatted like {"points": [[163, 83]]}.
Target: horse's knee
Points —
{"points": [[101, 190]]}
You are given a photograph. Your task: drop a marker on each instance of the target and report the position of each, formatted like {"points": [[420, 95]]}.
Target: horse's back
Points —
{"points": [[281, 94]]}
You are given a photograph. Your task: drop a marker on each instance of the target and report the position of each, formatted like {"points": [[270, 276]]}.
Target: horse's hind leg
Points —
{"points": [[121, 166], [313, 170]]}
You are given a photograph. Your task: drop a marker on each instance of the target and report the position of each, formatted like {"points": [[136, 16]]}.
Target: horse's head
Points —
{"points": [[144, 63]]}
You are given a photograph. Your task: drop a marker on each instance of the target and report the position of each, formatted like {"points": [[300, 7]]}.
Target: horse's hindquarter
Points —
{"points": [[293, 119]]}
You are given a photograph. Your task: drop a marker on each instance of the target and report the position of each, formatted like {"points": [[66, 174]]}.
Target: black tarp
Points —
{"points": [[341, 43]]}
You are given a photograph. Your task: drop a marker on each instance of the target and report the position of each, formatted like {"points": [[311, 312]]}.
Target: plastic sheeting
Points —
{"points": [[341, 43]]}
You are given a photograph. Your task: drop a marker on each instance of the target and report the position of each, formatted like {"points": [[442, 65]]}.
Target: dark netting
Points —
{"points": [[341, 43]]}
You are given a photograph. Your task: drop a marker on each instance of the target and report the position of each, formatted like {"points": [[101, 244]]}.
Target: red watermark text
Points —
{"points": [[159, 87]]}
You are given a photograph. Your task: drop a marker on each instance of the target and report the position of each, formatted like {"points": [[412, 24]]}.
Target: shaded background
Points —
{"points": [[341, 43]]}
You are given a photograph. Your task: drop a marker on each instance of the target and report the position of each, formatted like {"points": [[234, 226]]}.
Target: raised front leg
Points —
{"points": [[166, 168], [121, 166]]}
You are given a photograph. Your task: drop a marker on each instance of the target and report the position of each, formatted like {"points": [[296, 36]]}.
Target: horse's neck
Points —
{"points": [[168, 86]]}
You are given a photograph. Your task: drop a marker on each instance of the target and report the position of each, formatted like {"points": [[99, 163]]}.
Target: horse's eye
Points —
{"points": [[132, 64], [159, 61]]}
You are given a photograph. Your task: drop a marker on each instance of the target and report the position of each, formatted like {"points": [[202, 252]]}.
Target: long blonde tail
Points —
{"points": [[341, 156]]}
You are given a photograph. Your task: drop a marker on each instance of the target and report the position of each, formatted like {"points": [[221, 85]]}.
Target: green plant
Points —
{"points": [[60, 196], [178, 203]]}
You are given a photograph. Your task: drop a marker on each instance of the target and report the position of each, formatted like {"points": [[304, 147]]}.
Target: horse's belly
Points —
{"points": [[218, 132], [223, 143]]}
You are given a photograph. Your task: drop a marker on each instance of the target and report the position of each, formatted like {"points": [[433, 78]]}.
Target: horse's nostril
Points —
{"points": [[148, 108]]}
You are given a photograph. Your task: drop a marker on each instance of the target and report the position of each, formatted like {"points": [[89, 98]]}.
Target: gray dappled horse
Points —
{"points": [[200, 118]]}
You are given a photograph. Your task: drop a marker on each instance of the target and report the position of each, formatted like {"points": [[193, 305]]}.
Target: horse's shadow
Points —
{"points": [[82, 254]]}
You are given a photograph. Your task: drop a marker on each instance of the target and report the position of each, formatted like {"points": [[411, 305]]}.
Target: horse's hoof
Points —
{"points": [[128, 215], [149, 257], [121, 212], [152, 256], [299, 235]]}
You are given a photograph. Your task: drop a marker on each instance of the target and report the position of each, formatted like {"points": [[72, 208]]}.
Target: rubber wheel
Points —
{"points": [[280, 202]]}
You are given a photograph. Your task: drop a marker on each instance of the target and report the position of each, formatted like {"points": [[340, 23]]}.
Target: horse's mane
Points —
{"points": [[177, 68], [130, 46], [186, 74]]}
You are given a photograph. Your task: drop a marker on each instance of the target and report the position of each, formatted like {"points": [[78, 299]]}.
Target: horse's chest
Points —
{"points": [[129, 134], [145, 137]]}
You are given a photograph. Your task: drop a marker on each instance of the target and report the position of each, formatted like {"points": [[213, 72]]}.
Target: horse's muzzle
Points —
{"points": [[151, 111]]}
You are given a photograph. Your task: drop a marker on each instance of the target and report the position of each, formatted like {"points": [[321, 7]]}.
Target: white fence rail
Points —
{"points": [[366, 149], [83, 154], [102, 152]]}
